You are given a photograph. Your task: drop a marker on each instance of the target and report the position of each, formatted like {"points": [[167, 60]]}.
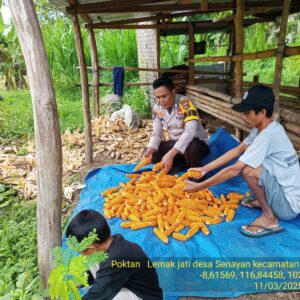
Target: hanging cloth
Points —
{"points": [[118, 73]]}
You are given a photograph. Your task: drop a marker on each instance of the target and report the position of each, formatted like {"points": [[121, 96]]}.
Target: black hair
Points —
{"points": [[163, 81], [85, 222], [269, 111]]}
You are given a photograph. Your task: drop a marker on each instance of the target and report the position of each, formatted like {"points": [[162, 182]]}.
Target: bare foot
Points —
{"points": [[252, 203], [261, 221]]}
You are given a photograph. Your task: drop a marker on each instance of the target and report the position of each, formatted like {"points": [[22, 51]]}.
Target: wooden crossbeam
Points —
{"points": [[177, 25], [108, 5], [85, 17], [97, 8], [288, 51]]}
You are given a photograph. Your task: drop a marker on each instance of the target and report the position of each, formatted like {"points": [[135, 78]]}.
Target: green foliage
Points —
{"points": [[70, 270], [16, 117], [138, 100], [18, 255]]}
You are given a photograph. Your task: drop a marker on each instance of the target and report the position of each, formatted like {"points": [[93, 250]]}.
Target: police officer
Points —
{"points": [[177, 115]]}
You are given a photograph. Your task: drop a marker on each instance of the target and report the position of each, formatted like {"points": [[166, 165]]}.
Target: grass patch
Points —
{"points": [[18, 252]]}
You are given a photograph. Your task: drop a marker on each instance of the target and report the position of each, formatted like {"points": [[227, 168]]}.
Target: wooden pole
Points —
{"points": [[191, 54], [279, 55], [238, 23], [47, 133], [85, 91], [158, 48], [95, 63]]}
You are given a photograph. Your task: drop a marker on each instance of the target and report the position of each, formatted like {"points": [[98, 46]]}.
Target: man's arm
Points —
{"points": [[107, 284], [220, 177], [222, 160]]}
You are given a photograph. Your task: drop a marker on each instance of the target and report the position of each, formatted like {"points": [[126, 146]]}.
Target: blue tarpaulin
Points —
{"points": [[222, 264]]}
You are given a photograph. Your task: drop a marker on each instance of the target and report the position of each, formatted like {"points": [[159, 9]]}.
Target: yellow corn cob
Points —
{"points": [[139, 225], [160, 235], [223, 199], [166, 225], [193, 218], [126, 224], [123, 216], [211, 213], [230, 215], [110, 191], [133, 175], [120, 210], [199, 224], [169, 212], [214, 221], [144, 162], [152, 212], [160, 222], [179, 228], [158, 166], [133, 218], [192, 231], [171, 228], [150, 200], [179, 236], [205, 230], [148, 219], [164, 184], [107, 214], [133, 211], [180, 217]]}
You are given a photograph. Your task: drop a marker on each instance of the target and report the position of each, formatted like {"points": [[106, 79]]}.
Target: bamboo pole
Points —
{"points": [[294, 139], [279, 55], [46, 131], [207, 91], [191, 54], [95, 63], [288, 51], [294, 90], [85, 91], [239, 38], [290, 116], [293, 128]]}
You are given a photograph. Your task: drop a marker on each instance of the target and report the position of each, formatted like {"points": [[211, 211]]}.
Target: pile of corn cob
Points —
{"points": [[157, 199]]}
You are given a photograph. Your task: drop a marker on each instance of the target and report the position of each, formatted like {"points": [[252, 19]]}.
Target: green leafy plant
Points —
{"points": [[70, 270], [19, 278]]}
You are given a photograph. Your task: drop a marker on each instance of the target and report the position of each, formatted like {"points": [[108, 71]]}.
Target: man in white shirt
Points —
{"points": [[268, 162], [177, 115]]}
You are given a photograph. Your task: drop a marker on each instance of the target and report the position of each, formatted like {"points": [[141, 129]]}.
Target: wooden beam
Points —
{"points": [[95, 63], [239, 39], [191, 54], [283, 89], [97, 8], [279, 55], [85, 91], [146, 19], [288, 51], [106, 6], [85, 17], [204, 5], [46, 131]]}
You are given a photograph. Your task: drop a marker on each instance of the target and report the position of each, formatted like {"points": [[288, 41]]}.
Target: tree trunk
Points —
{"points": [[47, 133]]}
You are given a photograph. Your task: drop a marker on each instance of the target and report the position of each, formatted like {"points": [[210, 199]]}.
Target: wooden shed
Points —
{"points": [[164, 16]]}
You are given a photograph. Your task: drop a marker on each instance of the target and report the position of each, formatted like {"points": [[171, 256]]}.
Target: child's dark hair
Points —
{"points": [[85, 222], [163, 81]]}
